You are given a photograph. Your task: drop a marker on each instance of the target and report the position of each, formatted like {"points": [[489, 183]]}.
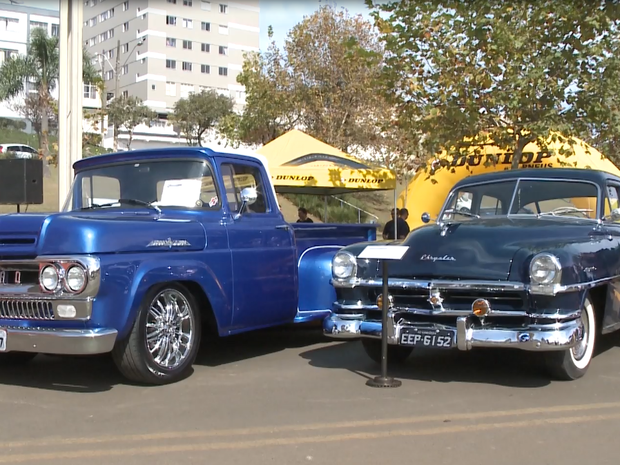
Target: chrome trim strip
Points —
{"points": [[432, 284], [60, 341], [468, 336]]}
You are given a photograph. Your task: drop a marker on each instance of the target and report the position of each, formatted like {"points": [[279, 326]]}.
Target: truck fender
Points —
{"points": [[316, 292], [152, 272]]}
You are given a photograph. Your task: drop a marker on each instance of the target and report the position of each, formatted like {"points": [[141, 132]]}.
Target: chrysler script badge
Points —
{"points": [[169, 243], [432, 258]]}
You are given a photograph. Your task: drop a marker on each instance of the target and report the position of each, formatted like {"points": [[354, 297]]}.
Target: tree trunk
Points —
{"points": [[115, 138], [518, 153]]}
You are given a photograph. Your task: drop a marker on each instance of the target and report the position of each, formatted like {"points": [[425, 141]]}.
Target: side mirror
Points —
{"points": [[248, 197], [615, 214], [426, 218]]}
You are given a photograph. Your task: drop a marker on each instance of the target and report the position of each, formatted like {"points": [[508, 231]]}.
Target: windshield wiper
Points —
{"points": [[563, 210], [124, 201]]}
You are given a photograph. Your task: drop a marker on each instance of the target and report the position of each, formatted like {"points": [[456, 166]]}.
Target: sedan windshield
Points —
{"points": [[537, 197], [150, 184]]}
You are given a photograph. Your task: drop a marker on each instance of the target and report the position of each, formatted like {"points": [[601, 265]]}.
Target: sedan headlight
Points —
{"points": [[76, 278], [344, 265], [545, 269], [49, 278]]}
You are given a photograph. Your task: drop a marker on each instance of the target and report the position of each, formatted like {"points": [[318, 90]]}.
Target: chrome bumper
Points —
{"points": [[60, 341], [558, 336]]}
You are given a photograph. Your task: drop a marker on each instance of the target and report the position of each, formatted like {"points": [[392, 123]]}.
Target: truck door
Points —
{"points": [[263, 251]]}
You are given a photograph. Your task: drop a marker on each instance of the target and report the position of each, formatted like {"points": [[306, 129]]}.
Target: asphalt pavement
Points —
{"points": [[290, 396]]}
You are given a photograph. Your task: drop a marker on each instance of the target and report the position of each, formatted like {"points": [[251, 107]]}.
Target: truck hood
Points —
{"points": [[483, 249], [96, 233]]}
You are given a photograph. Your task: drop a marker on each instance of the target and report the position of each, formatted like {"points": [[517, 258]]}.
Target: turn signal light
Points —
{"points": [[380, 301], [481, 307]]}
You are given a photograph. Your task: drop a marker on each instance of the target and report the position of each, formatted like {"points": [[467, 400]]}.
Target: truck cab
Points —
{"points": [[153, 248]]}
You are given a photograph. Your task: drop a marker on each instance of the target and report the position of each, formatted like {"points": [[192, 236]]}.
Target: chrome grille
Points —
{"points": [[26, 309]]}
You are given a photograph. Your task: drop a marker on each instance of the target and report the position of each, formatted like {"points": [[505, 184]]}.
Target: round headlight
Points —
{"points": [[545, 269], [344, 265], [49, 278], [76, 278]]}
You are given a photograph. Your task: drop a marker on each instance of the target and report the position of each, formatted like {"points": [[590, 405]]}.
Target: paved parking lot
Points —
{"points": [[293, 397]]}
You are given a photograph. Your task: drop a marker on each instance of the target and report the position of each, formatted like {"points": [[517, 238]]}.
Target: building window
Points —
{"points": [[205, 47], [109, 75], [171, 20], [126, 5], [223, 50], [223, 71], [172, 1], [187, 23], [125, 93], [126, 26], [125, 69], [223, 8], [186, 89], [124, 48], [205, 26], [172, 64], [187, 44], [90, 91], [55, 30], [223, 30], [170, 42], [205, 5], [187, 66], [187, 2], [36, 24], [171, 89], [205, 69]]}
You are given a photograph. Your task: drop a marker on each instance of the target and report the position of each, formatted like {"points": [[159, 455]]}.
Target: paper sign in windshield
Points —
{"points": [[181, 192]]}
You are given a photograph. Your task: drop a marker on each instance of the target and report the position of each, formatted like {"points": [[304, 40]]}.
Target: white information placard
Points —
{"points": [[384, 252], [181, 192]]}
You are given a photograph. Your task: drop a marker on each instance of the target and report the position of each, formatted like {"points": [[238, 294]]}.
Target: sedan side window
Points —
{"points": [[612, 202]]}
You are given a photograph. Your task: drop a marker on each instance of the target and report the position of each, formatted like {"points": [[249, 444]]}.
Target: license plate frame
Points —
{"points": [[3, 337], [427, 338]]}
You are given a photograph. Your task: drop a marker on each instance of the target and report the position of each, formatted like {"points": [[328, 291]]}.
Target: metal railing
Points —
{"points": [[359, 210]]}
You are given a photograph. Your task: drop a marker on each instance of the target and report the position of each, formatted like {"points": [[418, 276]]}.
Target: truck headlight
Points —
{"points": [[76, 278], [545, 269], [49, 277], [344, 265]]}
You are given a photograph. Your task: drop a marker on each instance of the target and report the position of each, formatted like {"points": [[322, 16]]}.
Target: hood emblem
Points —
{"points": [[432, 258], [169, 243]]}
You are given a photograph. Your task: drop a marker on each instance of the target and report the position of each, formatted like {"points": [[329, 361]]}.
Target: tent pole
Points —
{"points": [[395, 214]]}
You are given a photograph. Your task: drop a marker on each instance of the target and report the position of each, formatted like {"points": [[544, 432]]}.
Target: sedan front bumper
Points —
{"points": [[58, 341], [466, 335]]}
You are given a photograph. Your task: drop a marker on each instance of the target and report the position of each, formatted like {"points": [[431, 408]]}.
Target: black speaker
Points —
{"points": [[21, 181]]}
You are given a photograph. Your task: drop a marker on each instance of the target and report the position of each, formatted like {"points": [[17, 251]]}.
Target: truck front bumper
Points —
{"points": [[58, 341], [466, 335]]}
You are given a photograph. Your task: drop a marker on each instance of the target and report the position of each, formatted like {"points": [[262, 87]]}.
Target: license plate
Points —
{"points": [[2, 340], [436, 339]]}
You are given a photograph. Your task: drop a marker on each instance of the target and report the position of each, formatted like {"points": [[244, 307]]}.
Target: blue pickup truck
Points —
{"points": [[151, 250]]}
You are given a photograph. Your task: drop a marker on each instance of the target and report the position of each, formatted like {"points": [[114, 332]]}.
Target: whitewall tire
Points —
{"points": [[573, 363]]}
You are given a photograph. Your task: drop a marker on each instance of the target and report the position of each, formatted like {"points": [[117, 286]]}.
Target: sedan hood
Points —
{"points": [[95, 233], [481, 249]]}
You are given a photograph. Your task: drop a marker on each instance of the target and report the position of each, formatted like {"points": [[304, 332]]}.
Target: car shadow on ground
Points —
{"points": [[502, 367], [90, 374]]}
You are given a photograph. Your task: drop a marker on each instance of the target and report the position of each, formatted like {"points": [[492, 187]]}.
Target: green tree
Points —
{"points": [[506, 71], [325, 81], [40, 66], [127, 113], [199, 113]]}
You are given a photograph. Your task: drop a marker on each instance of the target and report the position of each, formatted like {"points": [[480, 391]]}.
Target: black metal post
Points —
{"points": [[384, 380]]}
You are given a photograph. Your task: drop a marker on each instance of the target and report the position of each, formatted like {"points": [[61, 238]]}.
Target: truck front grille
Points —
{"points": [[26, 309]]}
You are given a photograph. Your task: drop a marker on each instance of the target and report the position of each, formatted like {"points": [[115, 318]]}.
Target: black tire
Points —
{"points": [[395, 354], [132, 355], [16, 358], [569, 365]]}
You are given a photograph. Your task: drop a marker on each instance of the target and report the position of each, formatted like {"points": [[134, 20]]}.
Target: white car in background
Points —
{"points": [[21, 150]]}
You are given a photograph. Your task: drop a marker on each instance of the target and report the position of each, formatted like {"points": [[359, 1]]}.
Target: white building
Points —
{"points": [[16, 24]]}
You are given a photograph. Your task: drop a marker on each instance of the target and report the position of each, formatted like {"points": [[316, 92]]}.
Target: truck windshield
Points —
{"points": [[539, 197], [166, 183]]}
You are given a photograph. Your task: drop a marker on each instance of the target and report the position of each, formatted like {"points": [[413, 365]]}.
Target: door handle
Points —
{"points": [[283, 226]]}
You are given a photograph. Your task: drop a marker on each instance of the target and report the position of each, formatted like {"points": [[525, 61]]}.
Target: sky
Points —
{"points": [[284, 15]]}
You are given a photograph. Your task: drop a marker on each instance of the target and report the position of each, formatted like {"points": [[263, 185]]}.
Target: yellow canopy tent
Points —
{"points": [[429, 187], [301, 164]]}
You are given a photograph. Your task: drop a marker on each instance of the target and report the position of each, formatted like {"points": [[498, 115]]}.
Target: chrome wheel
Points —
{"points": [[579, 351], [170, 329]]}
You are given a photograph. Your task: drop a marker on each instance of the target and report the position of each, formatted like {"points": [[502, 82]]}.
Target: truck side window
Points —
{"points": [[236, 178]]}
